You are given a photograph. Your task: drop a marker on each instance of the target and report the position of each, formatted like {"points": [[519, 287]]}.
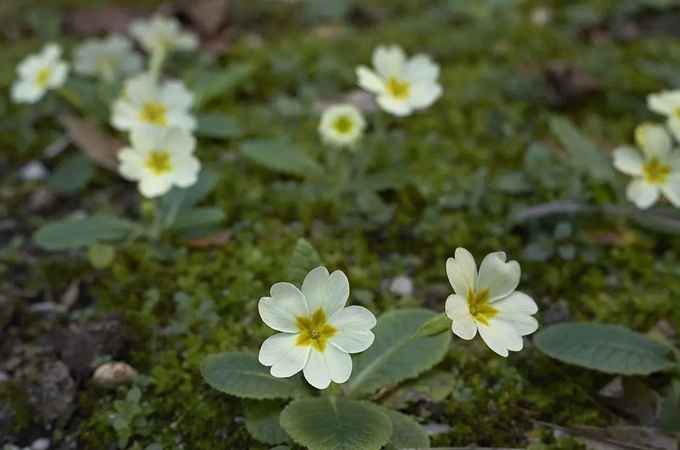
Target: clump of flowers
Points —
{"points": [[107, 58], [39, 73]]}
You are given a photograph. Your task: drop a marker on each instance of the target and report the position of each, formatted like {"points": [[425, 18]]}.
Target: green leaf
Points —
{"points": [[210, 84], [585, 154], [435, 386], [330, 423], [242, 375], [406, 432], [392, 358], [302, 261], [77, 233], [670, 409], [280, 156], [262, 422], [72, 174], [180, 200], [607, 348], [198, 217], [385, 180], [101, 255], [217, 126], [85, 95], [513, 183]]}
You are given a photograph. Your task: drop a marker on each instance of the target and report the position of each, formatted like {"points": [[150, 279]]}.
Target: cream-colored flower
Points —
{"points": [[487, 301], [146, 102], [656, 171], [318, 331], [667, 103], [38, 73], [342, 125], [159, 159], [106, 58], [402, 86], [162, 34]]}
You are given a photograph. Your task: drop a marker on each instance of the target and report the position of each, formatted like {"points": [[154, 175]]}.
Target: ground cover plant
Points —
{"points": [[339, 225]]}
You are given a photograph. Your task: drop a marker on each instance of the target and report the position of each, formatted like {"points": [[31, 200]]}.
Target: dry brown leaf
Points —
{"points": [[103, 19], [617, 438], [99, 146], [213, 240], [208, 15]]}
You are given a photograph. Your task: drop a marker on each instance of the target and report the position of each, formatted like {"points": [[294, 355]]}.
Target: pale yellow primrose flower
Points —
{"points": [[402, 86], [342, 125], [667, 103], [655, 171], [146, 102], [108, 57], [159, 159], [38, 73], [162, 34], [488, 302], [317, 331]]}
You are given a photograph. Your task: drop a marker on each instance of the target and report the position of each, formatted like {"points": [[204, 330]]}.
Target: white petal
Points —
{"points": [[333, 364], [329, 293], [397, 108], [131, 164], [59, 75], [464, 327], [179, 142], [516, 303], [141, 88], [286, 358], [500, 337], [628, 160], [421, 68], [25, 92], [654, 141], [522, 324], [144, 139], [497, 276], [462, 272], [388, 61], [457, 307], [674, 126], [316, 371], [29, 67], [672, 189], [186, 41], [352, 324], [642, 194], [182, 120], [124, 115], [186, 169], [50, 52], [674, 160], [176, 96], [285, 304], [664, 102], [154, 186], [424, 95], [369, 81]]}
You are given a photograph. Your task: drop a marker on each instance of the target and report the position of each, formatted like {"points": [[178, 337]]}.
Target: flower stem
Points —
{"points": [[70, 97], [156, 63]]}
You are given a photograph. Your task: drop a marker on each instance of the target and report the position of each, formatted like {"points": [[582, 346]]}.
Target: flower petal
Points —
{"points": [[522, 324], [424, 94], [186, 169], [333, 364], [628, 160], [464, 327], [672, 189], [283, 355], [397, 108], [497, 276], [285, 304], [421, 68], [179, 142], [369, 81], [388, 61], [59, 74], [462, 272], [665, 102], [322, 291], [352, 324], [25, 92], [131, 165], [457, 307], [641, 193], [316, 371], [653, 140], [500, 337], [154, 186], [516, 303], [673, 124]]}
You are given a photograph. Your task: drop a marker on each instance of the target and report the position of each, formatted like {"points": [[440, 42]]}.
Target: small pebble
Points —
{"points": [[402, 286], [33, 170], [41, 444], [113, 374], [541, 16]]}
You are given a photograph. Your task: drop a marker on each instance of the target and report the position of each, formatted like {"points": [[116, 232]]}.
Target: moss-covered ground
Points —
{"points": [[495, 105]]}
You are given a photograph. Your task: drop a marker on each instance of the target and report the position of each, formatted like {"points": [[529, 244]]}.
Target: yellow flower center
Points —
{"points": [[400, 90], [479, 307], [158, 162], [314, 330], [154, 114], [343, 125], [42, 78], [655, 172]]}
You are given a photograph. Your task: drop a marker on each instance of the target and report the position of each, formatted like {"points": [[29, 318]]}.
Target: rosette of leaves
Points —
{"points": [[283, 410]]}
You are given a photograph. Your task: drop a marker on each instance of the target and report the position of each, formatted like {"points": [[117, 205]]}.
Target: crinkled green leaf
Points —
{"points": [[198, 217], [302, 261], [72, 174], [603, 347], [262, 422], [77, 233], [330, 423], [585, 154], [217, 126], [242, 375], [389, 360], [180, 200], [406, 432], [280, 156]]}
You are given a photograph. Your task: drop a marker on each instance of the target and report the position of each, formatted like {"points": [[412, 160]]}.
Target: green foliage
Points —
{"points": [[303, 259], [130, 417], [180, 201], [406, 432], [670, 409], [262, 422], [242, 375], [280, 156], [77, 233], [330, 423], [198, 217], [607, 348], [101, 255], [210, 84], [217, 126], [394, 357], [72, 174]]}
